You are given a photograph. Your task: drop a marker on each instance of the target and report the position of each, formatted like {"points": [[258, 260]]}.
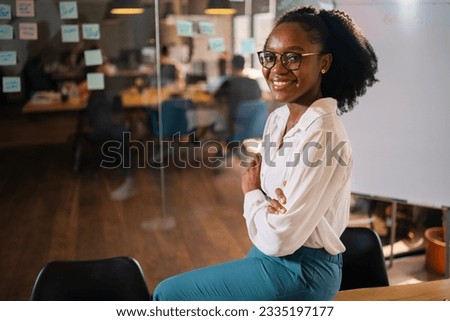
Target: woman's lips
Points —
{"points": [[281, 84]]}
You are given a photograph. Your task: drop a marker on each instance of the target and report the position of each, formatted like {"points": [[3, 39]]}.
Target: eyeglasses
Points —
{"points": [[290, 60]]}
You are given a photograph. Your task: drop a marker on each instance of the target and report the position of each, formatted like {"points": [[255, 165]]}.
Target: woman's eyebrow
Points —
{"points": [[294, 48]]}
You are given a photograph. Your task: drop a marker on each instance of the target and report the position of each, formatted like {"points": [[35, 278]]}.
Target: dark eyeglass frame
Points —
{"points": [[262, 53]]}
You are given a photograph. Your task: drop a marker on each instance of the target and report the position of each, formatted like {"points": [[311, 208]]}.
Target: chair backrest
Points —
{"points": [[173, 116], [111, 279], [168, 76], [104, 112], [364, 264], [250, 120]]}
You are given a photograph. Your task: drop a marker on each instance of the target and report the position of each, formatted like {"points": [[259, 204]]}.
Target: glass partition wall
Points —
{"points": [[154, 73], [188, 47], [56, 54]]}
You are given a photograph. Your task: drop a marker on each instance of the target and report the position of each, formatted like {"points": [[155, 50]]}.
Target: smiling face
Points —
{"points": [[301, 86]]}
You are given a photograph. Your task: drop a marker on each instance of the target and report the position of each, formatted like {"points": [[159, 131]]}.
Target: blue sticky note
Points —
{"points": [[11, 84], [248, 46], [5, 12], [91, 31], [217, 44], [70, 33], [207, 28], [184, 28], [95, 81], [93, 57], [8, 58], [6, 32], [68, 10]]}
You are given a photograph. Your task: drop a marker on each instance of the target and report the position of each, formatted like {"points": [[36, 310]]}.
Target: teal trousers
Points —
{"points": [[306, 275]]}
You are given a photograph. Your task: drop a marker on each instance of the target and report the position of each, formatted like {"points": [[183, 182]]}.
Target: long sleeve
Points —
{"points": [[316, 164]]}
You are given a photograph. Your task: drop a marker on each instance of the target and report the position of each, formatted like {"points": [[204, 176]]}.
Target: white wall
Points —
{"points": [[400, 130]]}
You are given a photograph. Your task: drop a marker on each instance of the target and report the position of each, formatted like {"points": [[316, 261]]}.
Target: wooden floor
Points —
{"points": [[48, 212]]}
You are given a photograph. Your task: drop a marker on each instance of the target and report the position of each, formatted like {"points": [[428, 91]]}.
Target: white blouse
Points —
{"points": [[314, 159]]}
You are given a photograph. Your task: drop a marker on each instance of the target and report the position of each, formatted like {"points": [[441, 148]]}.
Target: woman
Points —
{"points": [[297, 193]]}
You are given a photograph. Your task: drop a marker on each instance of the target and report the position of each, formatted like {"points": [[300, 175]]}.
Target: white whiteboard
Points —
{"points": [[400, 130]]}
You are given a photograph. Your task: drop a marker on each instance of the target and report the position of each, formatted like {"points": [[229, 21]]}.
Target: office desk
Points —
{"points": [[131, 98], [56, 105], [426, 291], [149, 96]]}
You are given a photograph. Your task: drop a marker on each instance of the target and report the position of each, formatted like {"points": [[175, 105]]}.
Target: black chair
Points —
{"points": [[168, 76], [363, 261], [110, 279]]}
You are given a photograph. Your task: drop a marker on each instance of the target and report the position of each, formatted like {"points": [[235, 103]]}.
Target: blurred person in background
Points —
{"points": [[235, 89]]}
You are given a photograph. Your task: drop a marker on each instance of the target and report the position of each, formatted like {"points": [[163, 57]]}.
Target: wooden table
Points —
{"points": [[149, 96], [55, 105], [425, 291], [131, 98]]}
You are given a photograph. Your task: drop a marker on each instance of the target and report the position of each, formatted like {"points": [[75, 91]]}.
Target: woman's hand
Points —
{"points": [[250, 178], [276, 206]]}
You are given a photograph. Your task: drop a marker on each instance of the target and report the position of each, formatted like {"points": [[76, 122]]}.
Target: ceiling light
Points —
{"points": [[222, 7], [126, 7]]}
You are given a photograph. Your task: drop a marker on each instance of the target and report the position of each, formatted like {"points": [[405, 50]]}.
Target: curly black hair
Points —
{"points": [[354, 62]]}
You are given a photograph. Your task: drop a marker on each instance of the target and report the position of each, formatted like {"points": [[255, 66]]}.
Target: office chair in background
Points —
{"points": [[363, 261], [250, 120], [248, 128], [110, 279]]}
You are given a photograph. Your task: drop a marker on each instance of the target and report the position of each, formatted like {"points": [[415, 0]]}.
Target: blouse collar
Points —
{"points": [[317, 109]]}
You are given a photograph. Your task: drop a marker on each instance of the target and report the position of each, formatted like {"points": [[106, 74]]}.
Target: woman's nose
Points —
{"points": [[279, 67]]}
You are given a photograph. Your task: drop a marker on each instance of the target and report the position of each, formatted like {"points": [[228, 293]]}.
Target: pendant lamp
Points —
{"points": [[126, 7], [221, 7]]}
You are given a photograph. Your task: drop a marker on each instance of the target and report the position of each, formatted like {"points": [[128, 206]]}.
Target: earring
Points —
{"points": [[323, 71]]}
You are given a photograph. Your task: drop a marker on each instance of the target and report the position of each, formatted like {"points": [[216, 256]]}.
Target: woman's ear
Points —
{"points": [[325, 62]]}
